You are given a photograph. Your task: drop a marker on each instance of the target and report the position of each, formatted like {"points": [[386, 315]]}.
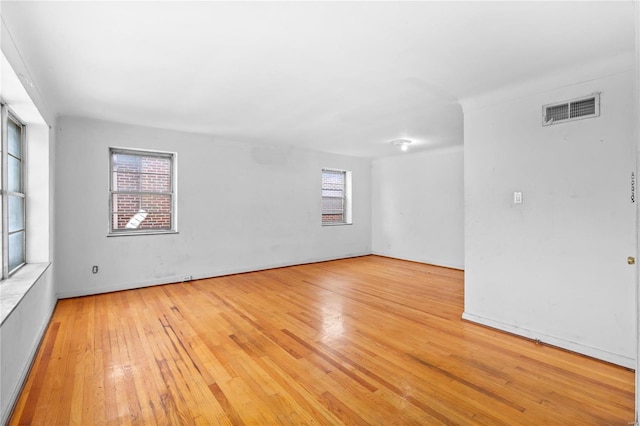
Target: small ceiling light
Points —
{"points": [[403, 144]]}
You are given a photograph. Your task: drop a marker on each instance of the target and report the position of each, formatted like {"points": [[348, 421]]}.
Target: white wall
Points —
{"points": [[241, 207], [28, 297], [20, 336], [418, 207], [554, 267]]}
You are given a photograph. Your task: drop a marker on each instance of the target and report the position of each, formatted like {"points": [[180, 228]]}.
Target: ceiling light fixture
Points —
{"points": [[403, 144]]}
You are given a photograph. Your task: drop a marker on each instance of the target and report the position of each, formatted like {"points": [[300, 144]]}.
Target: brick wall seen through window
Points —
{"points": [[335, 197], [141, 191]]}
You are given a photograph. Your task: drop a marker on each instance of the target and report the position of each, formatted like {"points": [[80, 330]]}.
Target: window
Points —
{"points": [[13, 194], [336, 197], [142, 194]]}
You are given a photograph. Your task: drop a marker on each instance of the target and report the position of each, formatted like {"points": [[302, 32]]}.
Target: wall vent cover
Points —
{"points": [[575, 109]]}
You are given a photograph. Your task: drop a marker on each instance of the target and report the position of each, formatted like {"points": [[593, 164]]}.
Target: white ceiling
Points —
{"points": [[342, 77]]}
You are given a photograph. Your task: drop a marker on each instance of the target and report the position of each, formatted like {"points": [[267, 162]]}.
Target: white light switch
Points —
{"points": [[517, 198]]}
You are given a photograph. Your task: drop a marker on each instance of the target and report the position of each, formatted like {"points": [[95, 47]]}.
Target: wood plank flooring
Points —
{"points": [[369, 340]]}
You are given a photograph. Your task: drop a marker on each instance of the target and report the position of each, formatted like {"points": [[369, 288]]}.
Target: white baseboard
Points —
{"points": [[603, 355], [212, 274], [433, 262]]}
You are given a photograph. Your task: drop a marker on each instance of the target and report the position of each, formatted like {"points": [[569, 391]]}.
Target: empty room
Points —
{"points": [[266, 213]]}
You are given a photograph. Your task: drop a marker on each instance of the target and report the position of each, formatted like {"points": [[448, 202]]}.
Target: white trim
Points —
{"points": [[347, 211], [213, 274], [458, 267], [130, 233], [173, 157], [603, 355]]}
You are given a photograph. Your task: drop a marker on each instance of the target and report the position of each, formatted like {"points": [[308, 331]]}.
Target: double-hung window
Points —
{"points": [[142, 192], [13, 193], [336, 197]]}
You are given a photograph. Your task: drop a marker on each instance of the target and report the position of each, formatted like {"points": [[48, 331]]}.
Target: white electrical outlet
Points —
{"points": [[517, 198], [187, 278]]}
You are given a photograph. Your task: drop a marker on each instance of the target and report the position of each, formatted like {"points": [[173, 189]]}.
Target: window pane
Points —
{"points": [[126, 163], [15, 175], [141, 220], [156, 165], [128, 220], [331, 178], [16, 250], [1, 257], [332, 205], [332, 218], [332, 184], [155, 183], [16, 213], [156, 203], [333, 196], [332, 210], [125, 203], [15, 139], [134, 211], [125, 181], [157, 220], [332, 193], [159, 208]]}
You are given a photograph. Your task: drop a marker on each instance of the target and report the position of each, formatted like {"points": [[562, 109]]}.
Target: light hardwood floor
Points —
{"points": [[369, 340]]}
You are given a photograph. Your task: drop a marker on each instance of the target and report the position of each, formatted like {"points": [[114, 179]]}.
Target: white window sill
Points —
{"points": [[128, 234], [337, 224], [14, 288]]}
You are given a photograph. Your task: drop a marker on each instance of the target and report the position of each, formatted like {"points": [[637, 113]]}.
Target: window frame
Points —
{"points": [[172, 156], [6, 115], [346, 198]]}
